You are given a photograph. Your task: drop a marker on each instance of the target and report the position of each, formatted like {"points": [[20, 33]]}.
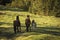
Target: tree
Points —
{"points": [[4, 2]]}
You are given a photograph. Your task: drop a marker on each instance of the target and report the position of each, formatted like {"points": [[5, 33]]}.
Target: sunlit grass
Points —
{"points": [[38, 37], [41, 20], [6, 21]]}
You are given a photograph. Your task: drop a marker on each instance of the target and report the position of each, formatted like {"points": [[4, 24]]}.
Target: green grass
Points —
{"points": [[48, 27], [39, 37], [41, 20]]}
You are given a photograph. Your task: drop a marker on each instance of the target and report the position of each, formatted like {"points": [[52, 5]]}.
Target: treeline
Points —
{"points": [[41, 7], [5, 2], [46, 7]]}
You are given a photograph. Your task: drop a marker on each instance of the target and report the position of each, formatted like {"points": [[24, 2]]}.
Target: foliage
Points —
{"points": [[41, 7], [4, 2]]}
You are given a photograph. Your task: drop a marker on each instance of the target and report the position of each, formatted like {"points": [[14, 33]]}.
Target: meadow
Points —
{"points": [[48, 27]]}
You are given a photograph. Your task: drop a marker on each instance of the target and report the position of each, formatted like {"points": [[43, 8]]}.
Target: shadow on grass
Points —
{"points": [[1, 23], [48, 30], [9, 32]]}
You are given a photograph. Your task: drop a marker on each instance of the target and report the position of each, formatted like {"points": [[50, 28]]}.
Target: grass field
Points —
{"points": [[48, 27]]}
